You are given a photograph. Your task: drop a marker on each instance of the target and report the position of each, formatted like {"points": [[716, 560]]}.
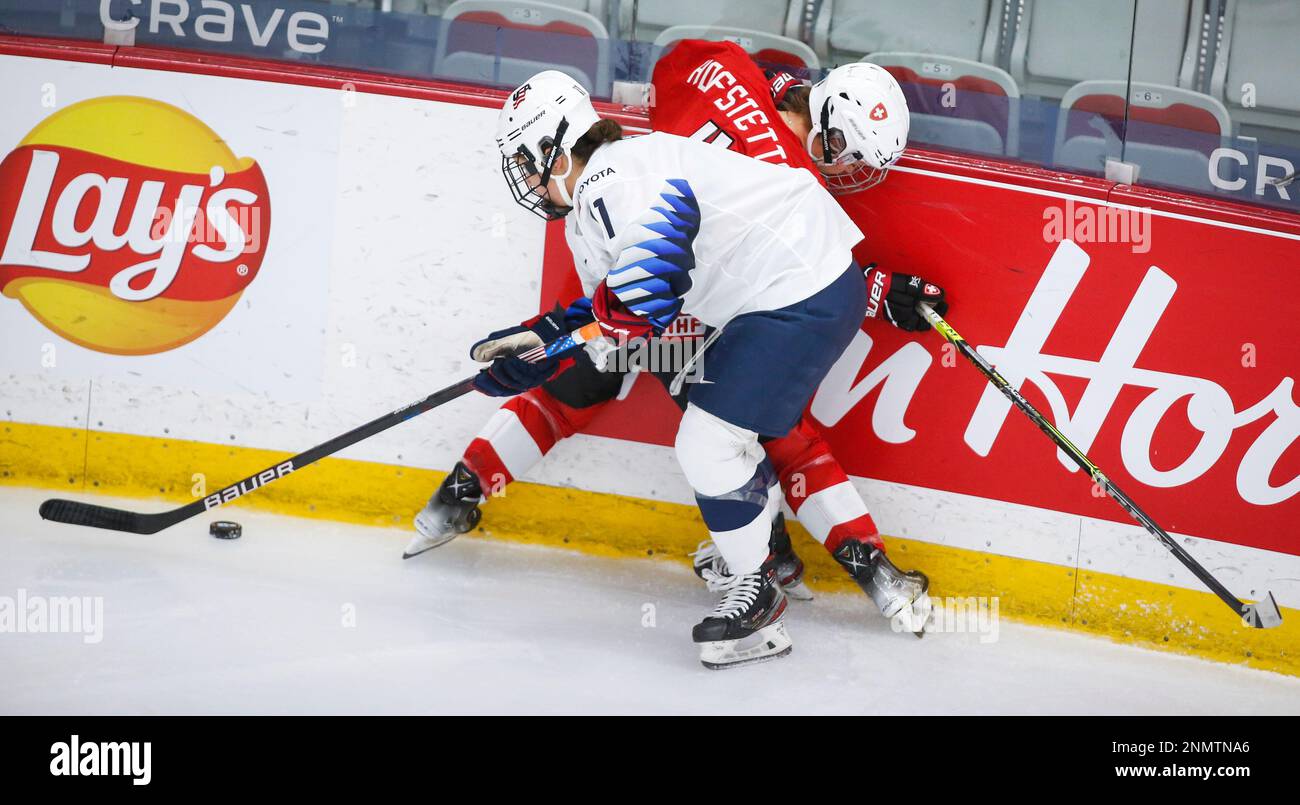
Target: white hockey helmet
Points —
{"points": [[541, 120], [861, 116]]}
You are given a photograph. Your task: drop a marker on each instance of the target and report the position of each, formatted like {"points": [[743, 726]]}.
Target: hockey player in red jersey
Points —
{"points": [[713, 91]]}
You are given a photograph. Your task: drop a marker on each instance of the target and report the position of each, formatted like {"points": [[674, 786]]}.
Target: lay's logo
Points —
{"points": [[128, 226]]}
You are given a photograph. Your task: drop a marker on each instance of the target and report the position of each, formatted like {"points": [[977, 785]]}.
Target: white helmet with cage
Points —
{"points": [[861, 116], [541, 120]]}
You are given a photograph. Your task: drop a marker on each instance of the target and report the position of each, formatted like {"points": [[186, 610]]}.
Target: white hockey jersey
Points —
{"points": [[678, 225]]}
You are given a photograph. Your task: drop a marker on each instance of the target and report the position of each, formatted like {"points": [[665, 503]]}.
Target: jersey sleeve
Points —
{"points": [[638, 236]]}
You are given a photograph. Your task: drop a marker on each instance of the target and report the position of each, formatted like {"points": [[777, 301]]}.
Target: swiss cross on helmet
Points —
{"points": [[539, 122], [860, 115]]}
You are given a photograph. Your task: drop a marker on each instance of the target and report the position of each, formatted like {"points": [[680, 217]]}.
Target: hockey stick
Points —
{"points": [[88, 514], [1263, 614]]}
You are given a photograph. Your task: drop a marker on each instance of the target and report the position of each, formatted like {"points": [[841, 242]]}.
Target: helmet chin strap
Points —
{"points": [[813, 136], [560, 184]]}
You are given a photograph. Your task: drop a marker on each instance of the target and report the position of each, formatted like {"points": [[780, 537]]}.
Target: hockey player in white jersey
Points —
{"points": [[858, 131], [662, 225]]}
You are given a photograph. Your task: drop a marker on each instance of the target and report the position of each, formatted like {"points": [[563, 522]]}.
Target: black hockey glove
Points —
{"points": [[894, 296]]}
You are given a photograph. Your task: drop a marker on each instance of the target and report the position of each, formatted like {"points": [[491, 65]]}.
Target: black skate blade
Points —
{"points": [[406, 555], [723, 666]]}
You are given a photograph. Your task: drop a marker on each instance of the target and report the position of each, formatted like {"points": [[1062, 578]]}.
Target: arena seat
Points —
{"points": [[769, 50], [1165, 45], [1169, 131], [595, 8], [653, 17], [848, 30], [409, 37], [1255, 32], [980, 113], [411, 7], [504, 42]]}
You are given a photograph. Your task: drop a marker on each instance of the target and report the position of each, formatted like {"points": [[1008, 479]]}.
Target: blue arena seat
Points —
{"points": [[847, 30], [769, 50], [503, 42], [957, 103], [1169, 131], [653, 17]]}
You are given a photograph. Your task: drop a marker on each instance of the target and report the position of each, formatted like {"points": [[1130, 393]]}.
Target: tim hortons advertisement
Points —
{"points": [[1158, 344], [136, 226]]}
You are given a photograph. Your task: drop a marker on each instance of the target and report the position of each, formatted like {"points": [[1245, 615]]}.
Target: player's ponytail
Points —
{"points": [[605, 131]]}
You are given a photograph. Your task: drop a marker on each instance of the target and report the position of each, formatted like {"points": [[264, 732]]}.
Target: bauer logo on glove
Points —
{"points": [[894, 296]]}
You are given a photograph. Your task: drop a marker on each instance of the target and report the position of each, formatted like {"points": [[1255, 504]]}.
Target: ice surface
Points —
{"points": [[193, 624]]}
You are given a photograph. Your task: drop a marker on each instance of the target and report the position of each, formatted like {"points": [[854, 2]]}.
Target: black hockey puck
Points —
{"points": [[226, 529]]}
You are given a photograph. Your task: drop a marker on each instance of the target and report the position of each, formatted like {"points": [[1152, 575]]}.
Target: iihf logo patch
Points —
{"points": [[878, 112], [518, 97]]}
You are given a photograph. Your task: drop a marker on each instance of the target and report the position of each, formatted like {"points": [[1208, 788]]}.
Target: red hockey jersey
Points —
{"points": [[713, 91]]}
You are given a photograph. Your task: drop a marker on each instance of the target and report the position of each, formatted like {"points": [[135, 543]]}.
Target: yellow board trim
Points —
{"points": [[1127, 610]]}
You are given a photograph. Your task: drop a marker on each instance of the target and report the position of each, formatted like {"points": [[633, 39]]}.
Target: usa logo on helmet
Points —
{"points": [[518, 97]]}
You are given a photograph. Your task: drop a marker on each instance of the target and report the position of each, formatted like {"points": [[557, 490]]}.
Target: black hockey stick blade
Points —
{"points": [[88, 514], [75, 512]]}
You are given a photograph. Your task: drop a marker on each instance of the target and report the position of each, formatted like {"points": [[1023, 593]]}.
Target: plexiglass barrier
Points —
{"points": [[1195, 95]]}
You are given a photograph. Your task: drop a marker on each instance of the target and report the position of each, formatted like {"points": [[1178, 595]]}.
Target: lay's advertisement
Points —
{"points": [[151, 230]]}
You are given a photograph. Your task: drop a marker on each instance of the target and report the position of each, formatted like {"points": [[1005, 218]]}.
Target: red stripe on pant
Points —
{"points": [[546, 421], [805, 466]]}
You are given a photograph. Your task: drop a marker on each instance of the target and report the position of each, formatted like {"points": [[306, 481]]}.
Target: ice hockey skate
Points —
{"points": [[452, 511], [746, 626], [789, 567], [902, 597]]}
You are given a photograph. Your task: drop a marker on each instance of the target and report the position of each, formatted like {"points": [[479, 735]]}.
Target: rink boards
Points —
{"points": [[384, 244]]}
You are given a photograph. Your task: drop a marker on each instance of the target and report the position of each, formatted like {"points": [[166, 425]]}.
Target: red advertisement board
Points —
{"points": [[1156, 339]]}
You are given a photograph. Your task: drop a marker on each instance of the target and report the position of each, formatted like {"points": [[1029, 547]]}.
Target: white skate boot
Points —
{"points": [[789, 567]]}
